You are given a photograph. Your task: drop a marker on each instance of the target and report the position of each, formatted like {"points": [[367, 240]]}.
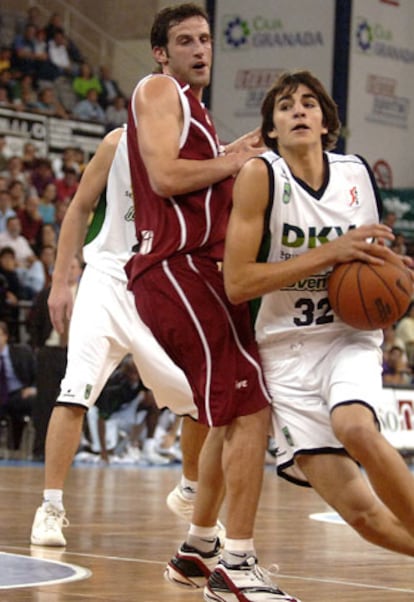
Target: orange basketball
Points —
{"points": [[368, 296]]}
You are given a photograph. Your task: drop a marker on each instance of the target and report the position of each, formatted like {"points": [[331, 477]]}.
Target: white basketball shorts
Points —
{"points": [[104, 327]]}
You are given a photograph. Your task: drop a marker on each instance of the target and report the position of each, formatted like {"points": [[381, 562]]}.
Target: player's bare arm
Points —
{"points": [[159, 129], [74, 226], [246, 279]]}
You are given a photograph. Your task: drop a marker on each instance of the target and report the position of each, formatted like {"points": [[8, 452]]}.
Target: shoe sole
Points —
{"points": [[176, 578], [209, 596], [49, 544]]}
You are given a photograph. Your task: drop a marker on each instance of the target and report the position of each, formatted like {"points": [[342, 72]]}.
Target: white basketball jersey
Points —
{"points": [[111, 234], [299, 219]]}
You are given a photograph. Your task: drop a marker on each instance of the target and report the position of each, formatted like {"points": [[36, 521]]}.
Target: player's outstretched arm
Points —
{"points": [[74, 226]]}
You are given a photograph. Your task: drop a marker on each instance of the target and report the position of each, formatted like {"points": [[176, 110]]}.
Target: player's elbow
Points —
{"points": [[234, 290], [163, 185]]}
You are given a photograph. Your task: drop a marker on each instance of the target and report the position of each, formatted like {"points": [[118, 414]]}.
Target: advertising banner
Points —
{"points": [[380, 94], [396, 414], [254, 42]]}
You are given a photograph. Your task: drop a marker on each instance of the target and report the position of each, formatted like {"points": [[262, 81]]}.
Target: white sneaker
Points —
{"points": [[248, 582], [179, 504], [154, 458], [183, 507], [47, 526], [132, 455]]}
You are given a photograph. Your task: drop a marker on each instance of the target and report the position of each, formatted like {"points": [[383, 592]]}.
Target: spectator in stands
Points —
{"points": [[66, 159], [5, 58], [405, 331], [29, 56], [23, 91], [110, 87], [4, 183], [29, 156], [47, 237], [396, 370], [116, 114], [12, 237], [80, 159], [6, 210], [42, 175], [89, 109], [33, 17], [68, 185], [24, 58], [41, 45], [47, 256], [7, 80], [5, 153], [10, 290], [20, 367], [86, 81], [49, 105], [390, 339], [61, 208], [5, 102], [25, 102], [125, 391], [15, 171], [54, 24], [398, 244], [48, 200], [59, 55], [18, 194], [389, 219], [30, 220]]}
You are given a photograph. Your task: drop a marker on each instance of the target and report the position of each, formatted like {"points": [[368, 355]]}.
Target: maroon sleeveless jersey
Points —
{"points": [[192, 223]]}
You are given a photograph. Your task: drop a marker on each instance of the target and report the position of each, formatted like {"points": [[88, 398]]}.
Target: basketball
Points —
{"points": [[368, 296]]}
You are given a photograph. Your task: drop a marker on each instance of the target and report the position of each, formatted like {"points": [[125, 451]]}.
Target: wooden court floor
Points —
{"points": [[123, 533]]}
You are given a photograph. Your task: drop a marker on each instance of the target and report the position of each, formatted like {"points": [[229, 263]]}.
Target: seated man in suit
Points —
{"points": [[17, 383]]}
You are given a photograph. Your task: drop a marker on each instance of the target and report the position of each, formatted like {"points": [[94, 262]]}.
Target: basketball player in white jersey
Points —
{"points": [[104, 327], [301, 210]]}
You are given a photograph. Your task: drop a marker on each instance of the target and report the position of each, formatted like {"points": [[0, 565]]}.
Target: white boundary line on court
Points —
{"points": [[298, 578]]}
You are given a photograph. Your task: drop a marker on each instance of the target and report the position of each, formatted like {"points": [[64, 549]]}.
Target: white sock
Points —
{"points": [[235, 551], [54, 497], [188, 488], [202, 538]]}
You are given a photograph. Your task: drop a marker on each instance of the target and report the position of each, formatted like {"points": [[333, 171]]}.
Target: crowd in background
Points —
{"points": [[43, 71]]}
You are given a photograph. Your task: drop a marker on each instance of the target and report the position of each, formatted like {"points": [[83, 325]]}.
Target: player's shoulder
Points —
{"points": [[113, 137], [156, 84], [344, 159]]}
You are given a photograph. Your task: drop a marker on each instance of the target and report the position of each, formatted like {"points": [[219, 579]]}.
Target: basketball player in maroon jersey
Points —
{"points": [[182, 184]]}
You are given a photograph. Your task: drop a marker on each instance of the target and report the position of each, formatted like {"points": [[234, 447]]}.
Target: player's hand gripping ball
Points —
{"points": [[368, 296]]}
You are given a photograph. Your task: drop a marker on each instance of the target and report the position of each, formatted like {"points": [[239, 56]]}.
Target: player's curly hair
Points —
{"points": [[288, 83], [170, 16]]}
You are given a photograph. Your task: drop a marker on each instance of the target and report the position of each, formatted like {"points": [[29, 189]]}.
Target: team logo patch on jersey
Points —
{"points": [[130, 214], [88, 391], [287, 192], [288, 436], [354, 202]]}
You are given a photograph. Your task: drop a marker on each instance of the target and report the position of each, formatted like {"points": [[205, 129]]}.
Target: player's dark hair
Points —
{"points": [[170, 16], [288, 83]]}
